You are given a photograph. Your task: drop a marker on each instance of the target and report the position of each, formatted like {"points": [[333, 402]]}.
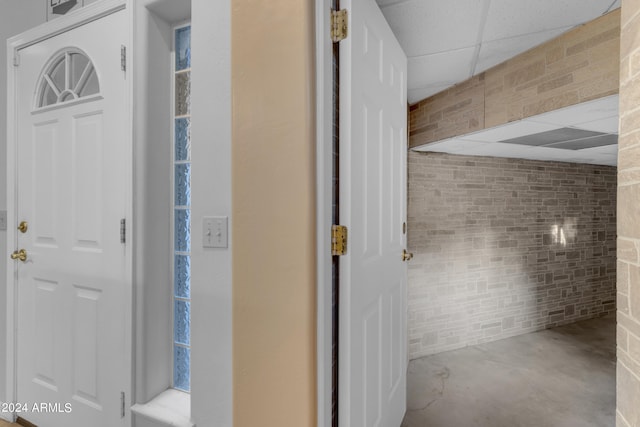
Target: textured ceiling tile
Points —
{"points": [[440, 68], [424, 27], [605, 150], [508, 18], [511, 130], [607, 125], [497, 51], [440, 147]]}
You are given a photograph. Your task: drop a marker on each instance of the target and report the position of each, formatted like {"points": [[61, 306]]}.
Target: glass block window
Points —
{"points": [[181, 210], [69, 75]]}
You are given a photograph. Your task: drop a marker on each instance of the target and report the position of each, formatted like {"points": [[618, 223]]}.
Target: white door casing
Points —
{"points": [[72, 186], [373, 276]]}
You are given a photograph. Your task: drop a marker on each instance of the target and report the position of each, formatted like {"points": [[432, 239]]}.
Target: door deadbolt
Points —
{"points": [[21, 255], [23, 227]]}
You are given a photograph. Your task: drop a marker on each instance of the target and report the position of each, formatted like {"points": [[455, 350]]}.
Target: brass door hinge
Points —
{"points": [[338, 240], [339, 25]]}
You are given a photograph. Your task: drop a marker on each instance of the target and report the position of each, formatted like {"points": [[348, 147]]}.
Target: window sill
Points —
{"points": [[169, 408]]}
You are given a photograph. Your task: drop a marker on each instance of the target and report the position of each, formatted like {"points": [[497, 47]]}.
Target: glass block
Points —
{"points": [[183, 48], [182, 185], [183, 94], [181, 366], [182, 276], [183, 139], [182, 230], [181, 322]]}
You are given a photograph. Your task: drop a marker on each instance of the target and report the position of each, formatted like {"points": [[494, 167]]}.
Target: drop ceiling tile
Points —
{"points": [[605, 150], [497, 51], [416, 95], [508, 131], [497, 149], [556, 136], [607, 125], [508, 18], [439, 68], [582, 144], [556, 155], [438, 147], [459, 146], [424, 27], [581, 113]]}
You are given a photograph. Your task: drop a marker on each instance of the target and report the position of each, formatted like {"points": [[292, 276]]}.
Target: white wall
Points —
{"points": [[211, 363], [16, 16], [152, 201]]}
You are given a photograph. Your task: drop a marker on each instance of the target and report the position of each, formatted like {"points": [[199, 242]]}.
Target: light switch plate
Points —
{"points": [[215, 232], [3, 220]]}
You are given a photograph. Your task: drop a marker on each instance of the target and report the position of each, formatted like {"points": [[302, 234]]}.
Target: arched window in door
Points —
{"points": [[69, 75]]}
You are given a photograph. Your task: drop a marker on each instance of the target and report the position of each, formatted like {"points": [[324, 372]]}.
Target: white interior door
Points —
{"points": [[72, 189], [373, 149]]}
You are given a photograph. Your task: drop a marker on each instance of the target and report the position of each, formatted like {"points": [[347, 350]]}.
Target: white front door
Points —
{"points": [[72, 191], [373, 150]]}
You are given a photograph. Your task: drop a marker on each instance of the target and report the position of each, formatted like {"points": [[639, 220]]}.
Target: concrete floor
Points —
{"points": [[561, 377]]}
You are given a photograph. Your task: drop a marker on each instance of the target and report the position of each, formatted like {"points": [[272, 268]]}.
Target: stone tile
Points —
{"points": [[486, 264], [620, 421], [577, 66], [629, 211], [634, 348], [628, 323], [626, 177], [631, 40], [627, 250], [622, 338], [622, 278], [634, 291], [628, 387]]}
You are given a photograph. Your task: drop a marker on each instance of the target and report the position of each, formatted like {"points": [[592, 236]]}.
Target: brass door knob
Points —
{"points": [[406, 256], [21, 255], [23, 227]]}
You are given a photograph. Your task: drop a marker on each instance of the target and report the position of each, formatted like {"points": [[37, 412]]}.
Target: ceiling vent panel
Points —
{"points": [[581, 144], [552, 137]]}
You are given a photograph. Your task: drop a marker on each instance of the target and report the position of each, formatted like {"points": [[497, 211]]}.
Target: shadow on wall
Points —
{"points": [[505, 247]]}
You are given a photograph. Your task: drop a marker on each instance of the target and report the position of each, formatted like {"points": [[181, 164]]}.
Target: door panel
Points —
{"points": [[373, 148], [72, 189]]}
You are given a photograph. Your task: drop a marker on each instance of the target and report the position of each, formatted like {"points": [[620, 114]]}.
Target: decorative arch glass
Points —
{"points": [[69, 75]]}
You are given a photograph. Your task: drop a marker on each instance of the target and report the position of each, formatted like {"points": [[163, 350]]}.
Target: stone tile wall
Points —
{"points": [[505, 247], [628, 371], [577, 66]]}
